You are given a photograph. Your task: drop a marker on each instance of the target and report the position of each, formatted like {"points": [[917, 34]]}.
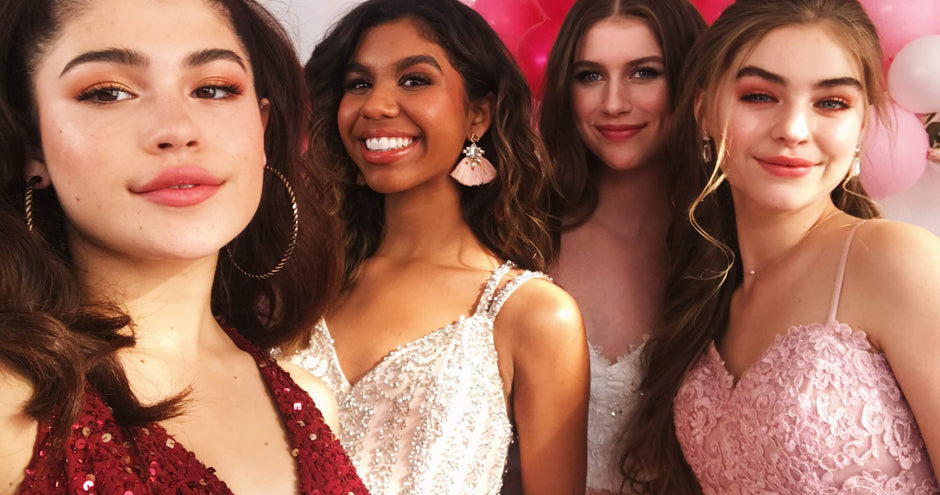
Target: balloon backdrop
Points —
{"points": [[711, 9], [893, 157], [510, 18], [914, 76], [901, 21], [556, 10], [532, 54]]}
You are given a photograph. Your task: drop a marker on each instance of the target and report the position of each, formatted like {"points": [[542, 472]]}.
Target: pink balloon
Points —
{"points": [[901, 21], [711, 9], [556, 10], [893, 158], [914, 76], [533, 51], [510, 18]]}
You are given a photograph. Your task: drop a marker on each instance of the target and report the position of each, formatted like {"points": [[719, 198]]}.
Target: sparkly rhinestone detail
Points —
{"points": [[431, 416], [103, 458]]}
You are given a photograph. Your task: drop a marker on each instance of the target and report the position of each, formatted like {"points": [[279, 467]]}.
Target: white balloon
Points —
{"points": [[914, 76]]}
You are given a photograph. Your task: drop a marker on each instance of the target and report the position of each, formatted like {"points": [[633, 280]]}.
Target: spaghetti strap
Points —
{"points": [[483, 304], [840, 275]]}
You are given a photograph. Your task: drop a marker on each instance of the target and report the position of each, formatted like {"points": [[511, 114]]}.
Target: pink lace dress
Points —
{"points": [[818, 413], [102, 458]]}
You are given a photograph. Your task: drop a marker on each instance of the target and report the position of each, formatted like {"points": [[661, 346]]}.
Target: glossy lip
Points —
{"points": [[619, 132], [786, 166], [160, 189], [385, 157]]}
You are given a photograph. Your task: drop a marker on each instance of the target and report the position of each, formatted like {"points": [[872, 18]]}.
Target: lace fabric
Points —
{"points": [[431, 416], [103, 458], [613, 398], [817, 413]]}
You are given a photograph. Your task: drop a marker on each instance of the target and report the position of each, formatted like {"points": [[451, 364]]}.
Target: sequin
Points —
{"points": [[88, 485], [431, 417]]}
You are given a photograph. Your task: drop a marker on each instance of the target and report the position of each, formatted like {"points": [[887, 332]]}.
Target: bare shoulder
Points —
{"points": [[895, 253], [320, 392], [539, 310]]}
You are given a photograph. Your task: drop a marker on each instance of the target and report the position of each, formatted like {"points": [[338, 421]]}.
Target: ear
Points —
{"points": [[481, 115], [37, 168], [697, 109], [265, 106]]}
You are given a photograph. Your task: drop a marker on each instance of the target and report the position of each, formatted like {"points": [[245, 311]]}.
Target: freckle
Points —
{"points": [[234, 377], [265, 444], [142, 361], [78, 200]]}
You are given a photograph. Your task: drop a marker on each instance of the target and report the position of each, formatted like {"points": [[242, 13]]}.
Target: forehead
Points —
{"points": [[160, 29], [622, 36], [393, 40], [802, 54]]}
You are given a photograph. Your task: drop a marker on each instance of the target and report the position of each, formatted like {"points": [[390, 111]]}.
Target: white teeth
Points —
{"points": [[183, 186], [387, 143]]}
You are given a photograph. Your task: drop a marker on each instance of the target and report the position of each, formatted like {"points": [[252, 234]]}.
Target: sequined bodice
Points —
{"points": [[103, 458], [613, 397], [430, 417], [818, 412]]}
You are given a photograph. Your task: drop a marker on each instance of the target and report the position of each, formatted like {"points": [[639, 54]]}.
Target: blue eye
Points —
{"points": [[833, 104], [758, 98], [589, 76], [646, 73]]}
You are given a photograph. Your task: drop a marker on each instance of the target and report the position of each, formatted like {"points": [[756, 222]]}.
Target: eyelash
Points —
{"points": [[101, 89], [355, 84], [233, 90], [841, 103], [641, 73], [588, 76]]}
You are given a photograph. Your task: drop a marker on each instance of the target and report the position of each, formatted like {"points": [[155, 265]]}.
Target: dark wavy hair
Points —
{"points": [[509, 215], [703, 241], [268, 312], [675, 24]]}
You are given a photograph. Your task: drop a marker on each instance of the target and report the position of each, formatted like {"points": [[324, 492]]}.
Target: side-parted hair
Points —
{"points": [[269, 312], [509, 215], [702, 240], [675, 24]]}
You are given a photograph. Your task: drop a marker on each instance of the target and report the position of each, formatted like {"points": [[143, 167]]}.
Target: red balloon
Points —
{"points": [[509, 18], [556, 10], [711, 9], [533, 51]]}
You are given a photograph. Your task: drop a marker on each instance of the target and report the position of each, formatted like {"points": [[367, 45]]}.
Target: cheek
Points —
{"points": [[654, 100], [584, 102]]}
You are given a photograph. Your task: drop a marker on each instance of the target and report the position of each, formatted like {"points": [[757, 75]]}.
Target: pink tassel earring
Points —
{"points": [[474, 169]]}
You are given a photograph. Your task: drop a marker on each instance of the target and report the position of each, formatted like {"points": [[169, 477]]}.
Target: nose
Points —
{"points": [[617, 97], [792, 128], [172, 126], [379, 102]]}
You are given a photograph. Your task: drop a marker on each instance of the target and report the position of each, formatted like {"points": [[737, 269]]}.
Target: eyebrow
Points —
{"points": [[632, 63], [751, 71], [399, 66], [133, 58]]}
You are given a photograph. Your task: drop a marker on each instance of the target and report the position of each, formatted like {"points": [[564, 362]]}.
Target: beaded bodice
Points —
{"points": [[431, 416], [818, 412], [613, 398], [102, 458]]}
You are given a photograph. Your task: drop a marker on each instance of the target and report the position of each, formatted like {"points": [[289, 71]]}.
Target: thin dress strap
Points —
{"points": [[497, 301], [840, 276], [491, 284]]}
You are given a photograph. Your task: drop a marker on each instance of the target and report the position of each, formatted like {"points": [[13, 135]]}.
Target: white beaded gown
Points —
{"points": [[613, 398], [431, 416]]}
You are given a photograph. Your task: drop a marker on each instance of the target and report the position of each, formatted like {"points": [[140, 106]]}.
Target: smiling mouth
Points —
{"points": [[387, 143]]}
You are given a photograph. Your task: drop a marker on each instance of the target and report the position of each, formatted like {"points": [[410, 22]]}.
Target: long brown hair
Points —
{"points": [[703, 240], [268, 312], [508, 215], [675, 24]]}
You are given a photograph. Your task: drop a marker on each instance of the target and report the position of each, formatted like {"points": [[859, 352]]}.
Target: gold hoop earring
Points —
{"points": [[293, 237], [28, 201], [708, 148]]}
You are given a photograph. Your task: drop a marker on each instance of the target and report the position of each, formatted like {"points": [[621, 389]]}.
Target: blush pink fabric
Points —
{"points": [[818, 413]]}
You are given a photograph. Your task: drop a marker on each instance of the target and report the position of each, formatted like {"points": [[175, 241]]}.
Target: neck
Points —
{"points": [[764, 238], [169, 302], [632, 204], [427, 223]]}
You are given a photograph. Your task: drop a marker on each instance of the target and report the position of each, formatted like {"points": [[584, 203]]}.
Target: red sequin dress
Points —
{"points": [[102, 458]]}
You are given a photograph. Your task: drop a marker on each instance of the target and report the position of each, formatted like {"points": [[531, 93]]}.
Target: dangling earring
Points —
{"points": [[474, 169], [708, 148], [28, 200], [293, 236], [856, 164]]}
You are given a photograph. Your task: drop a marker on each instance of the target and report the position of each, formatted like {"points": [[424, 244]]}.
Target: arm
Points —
{"points": [[320, 393], [17, 430], [543, 331], [898, 266]]}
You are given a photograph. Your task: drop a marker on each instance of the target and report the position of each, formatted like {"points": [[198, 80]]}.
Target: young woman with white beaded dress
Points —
{"points": [[447, 336], [610, 87]]}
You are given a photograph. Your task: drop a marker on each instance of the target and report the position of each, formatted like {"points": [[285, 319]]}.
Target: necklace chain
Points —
{"points": [[753, 271]]}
